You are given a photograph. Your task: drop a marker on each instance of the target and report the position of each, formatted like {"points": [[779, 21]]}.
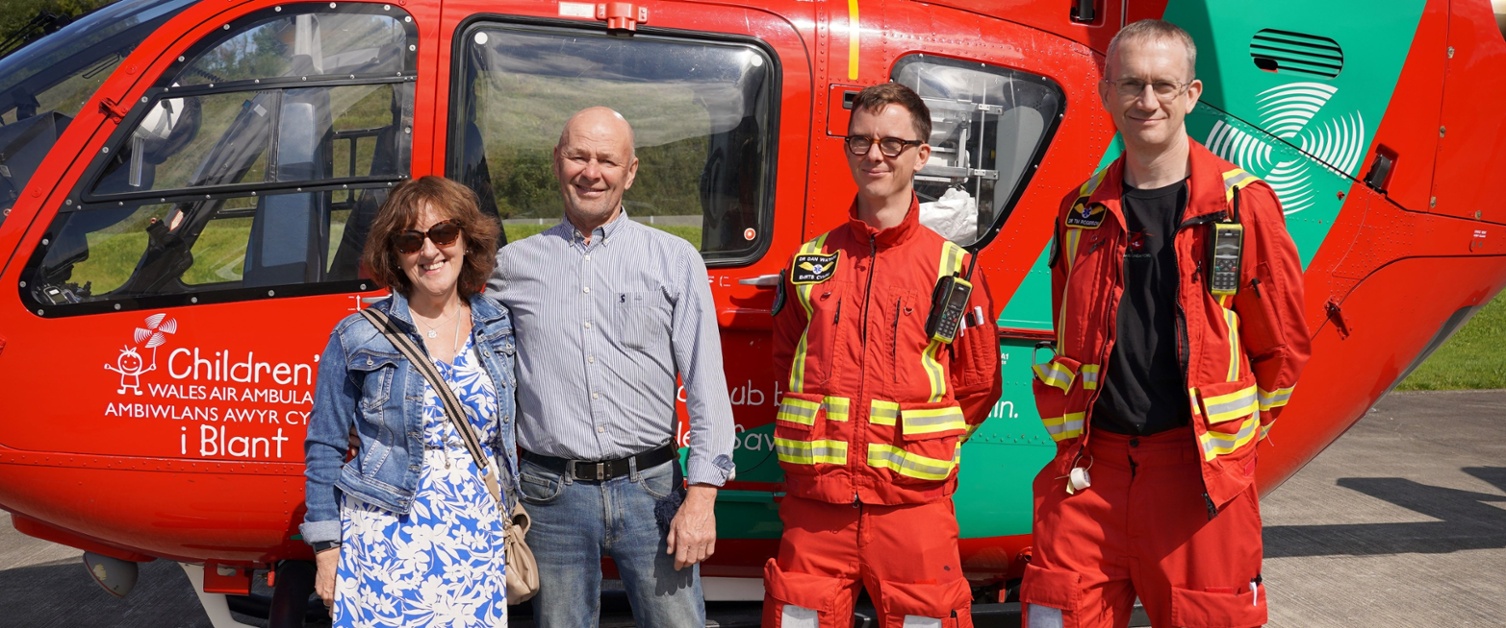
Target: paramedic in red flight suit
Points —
{"points": [[877, 409], [1178, 300]]}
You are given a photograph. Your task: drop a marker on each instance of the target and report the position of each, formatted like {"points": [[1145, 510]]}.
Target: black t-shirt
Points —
{"points": [[1142, 384]]}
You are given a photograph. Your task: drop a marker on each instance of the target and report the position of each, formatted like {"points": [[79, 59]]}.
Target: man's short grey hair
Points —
{"points": [[1155, 30]]}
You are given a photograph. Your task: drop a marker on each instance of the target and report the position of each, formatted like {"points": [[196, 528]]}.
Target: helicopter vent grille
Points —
{"points": [[1296, 53]]}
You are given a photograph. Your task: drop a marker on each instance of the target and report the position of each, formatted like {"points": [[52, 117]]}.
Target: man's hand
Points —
{"points": [[328, 561], [692, 534]]}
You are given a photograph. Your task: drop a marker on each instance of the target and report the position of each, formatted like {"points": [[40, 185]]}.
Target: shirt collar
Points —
{"points": [[601, 234]]}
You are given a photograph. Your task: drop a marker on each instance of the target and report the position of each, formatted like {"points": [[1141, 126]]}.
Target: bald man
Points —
{"points": [[607, 313]]}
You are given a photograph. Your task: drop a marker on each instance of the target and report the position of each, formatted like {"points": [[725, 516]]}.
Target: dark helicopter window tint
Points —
{"points": [[989, 129], [263, 182], [304, 45], [701, 112]]}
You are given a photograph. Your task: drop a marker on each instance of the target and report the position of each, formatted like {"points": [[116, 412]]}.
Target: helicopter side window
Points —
{"points": [[701, 112], [989, 127], [251, 168]]}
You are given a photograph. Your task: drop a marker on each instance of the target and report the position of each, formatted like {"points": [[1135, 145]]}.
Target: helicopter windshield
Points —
{"points": [[43, 85]]}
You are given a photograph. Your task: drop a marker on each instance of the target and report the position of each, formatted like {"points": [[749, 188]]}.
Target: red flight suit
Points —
{"points": [[870, 429], [1171, 517]]}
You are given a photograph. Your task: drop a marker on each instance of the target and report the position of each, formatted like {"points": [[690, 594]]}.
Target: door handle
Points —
{"points": [[762, 281]]}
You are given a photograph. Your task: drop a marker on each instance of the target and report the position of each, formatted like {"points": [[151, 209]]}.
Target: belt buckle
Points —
{"points": [[595, 471]]}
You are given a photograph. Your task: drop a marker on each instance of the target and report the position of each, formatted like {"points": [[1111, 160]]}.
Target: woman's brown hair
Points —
{"points": [[451, 201]]}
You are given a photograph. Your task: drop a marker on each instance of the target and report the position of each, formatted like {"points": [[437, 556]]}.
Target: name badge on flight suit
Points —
{"points": [[813, 268], [1086, 216]]}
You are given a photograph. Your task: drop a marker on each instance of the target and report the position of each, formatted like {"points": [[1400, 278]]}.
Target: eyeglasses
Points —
{"points": [[1166, 91], [441, 234], [889, 146]]}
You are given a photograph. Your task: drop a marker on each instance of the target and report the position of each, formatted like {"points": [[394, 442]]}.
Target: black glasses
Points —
{"points": [[441, 234], [889, 146]]}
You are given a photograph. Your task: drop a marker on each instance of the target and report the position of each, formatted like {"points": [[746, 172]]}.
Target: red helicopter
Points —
{"points": [[185, 187]]}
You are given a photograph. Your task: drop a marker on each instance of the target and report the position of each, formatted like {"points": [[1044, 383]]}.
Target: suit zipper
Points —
{"points": [[1184, 345], [894, 339]]}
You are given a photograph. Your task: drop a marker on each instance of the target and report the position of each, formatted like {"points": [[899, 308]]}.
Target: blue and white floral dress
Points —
{"points": [[442, 563]]}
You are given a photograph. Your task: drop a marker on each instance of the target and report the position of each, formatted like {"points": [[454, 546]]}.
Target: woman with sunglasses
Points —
{"points": [[405, 532]]}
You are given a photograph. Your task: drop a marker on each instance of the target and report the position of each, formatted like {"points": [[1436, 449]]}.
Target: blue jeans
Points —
{"points": [[576, 523]]}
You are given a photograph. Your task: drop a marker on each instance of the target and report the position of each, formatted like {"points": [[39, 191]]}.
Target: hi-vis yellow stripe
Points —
{"points": [[1274, 398], [797, 411], [1069, 252], [1235, 351], [910, 464], [1089, 376], [1235, 179], [1231, 406], [1064, 427], [1216, 443], [804, 412], [852, 39], [930, 359], [882, 412], [1055, 374], [811, 452], [803, 295], [836, 408], [932, 420]]}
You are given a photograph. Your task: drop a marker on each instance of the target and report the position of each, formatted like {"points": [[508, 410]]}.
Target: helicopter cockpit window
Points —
{"points": [[251, 168], [989, 128], [701, 112], [43, 85]]}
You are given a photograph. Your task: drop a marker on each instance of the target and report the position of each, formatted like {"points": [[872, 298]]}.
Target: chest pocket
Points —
{"points": [[643, 318], [373, 371], [831, 307]]}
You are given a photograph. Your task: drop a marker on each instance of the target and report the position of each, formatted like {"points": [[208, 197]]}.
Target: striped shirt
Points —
{"points": [[602, 330]]}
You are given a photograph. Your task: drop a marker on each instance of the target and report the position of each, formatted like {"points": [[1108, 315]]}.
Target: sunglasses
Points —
{"points": [[441, 234]]}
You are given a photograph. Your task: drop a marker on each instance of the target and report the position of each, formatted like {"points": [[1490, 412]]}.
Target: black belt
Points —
{"points": [[602, 470]]}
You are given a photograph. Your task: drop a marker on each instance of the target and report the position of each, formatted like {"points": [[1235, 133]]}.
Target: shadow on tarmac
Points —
{"points": [[1465, 520]]}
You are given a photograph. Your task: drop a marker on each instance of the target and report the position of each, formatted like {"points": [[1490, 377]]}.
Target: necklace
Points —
{"points": [[434, 329]]}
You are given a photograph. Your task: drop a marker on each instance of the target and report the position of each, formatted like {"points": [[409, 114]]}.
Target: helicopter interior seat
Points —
{"points": [[477, 176], [289, 230], [346, 263]]}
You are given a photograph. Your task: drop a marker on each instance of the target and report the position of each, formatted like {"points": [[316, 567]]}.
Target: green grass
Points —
{"points": [[1471, 359]]}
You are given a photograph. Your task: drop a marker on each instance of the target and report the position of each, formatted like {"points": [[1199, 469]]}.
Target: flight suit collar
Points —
{"points": [[862, 231]]}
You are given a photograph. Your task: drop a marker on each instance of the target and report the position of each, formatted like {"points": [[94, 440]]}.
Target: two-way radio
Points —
{"points": [[949, 303]]}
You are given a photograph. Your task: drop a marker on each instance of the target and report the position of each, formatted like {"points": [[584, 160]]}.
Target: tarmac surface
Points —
{"points": [[1402, 522]]}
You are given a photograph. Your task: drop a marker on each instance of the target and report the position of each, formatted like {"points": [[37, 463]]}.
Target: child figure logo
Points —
{"points": [[130, 364]]}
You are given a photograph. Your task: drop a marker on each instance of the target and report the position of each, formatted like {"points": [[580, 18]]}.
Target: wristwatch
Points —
{"points": [[320, 546]]}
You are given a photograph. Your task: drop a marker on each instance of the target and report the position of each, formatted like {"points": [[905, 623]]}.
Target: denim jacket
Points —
{"points": [[365, 382]]}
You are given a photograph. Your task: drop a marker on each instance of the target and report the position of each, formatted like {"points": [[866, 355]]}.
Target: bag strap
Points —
{"points": [[452, 407]]}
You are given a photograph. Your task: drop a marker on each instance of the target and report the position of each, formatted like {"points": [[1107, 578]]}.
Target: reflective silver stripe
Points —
{"points": [[1089, 373], [1275, 399], [905, 463], [813, 452], [1231, 406], [1064, 427], [1216, 443], [882, 412], [933, 420], [836, 408], [798, 411]]}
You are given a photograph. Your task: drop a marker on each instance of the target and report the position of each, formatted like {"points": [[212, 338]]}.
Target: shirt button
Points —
{"points": [[600, 429], [586, 289], [588, 258], [595, 396], [591, 359], [588, 324]]}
